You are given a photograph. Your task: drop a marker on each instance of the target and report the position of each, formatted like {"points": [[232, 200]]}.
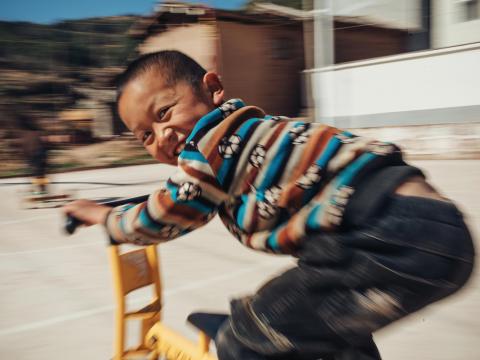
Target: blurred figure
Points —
{"points": [[35, 150]]}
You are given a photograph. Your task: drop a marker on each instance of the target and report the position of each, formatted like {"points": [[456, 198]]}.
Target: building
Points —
{"points": [[455, 22], [259, 54], [435, 87]]}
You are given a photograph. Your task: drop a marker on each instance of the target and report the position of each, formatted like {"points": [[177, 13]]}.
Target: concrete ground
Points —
{"points": [[56, 293]]}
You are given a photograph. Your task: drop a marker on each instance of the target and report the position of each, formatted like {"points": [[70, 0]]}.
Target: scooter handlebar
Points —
{"points": [[71, 223]]}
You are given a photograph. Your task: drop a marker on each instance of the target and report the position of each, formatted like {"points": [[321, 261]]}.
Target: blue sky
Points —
{"points": [[48, 11]]}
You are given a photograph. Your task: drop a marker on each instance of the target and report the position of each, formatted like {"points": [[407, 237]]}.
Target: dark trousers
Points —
{"points": [[351, 283], [38, 163]]}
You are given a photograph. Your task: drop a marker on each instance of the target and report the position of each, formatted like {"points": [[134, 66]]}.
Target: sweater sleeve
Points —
{"points": [[188, 200]]}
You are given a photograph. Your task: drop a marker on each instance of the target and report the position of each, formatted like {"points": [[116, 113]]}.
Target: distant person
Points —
{"points": [[35, 150], [374, 241]]}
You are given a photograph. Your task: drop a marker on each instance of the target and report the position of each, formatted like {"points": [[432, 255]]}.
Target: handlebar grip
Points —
{"points": [[71, 224]]}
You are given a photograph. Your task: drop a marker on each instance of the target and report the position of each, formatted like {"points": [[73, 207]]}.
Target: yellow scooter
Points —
{"points": [[139, 268]]}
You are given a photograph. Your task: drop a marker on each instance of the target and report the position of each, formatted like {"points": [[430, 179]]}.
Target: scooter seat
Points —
{"points": [[209, 323]]}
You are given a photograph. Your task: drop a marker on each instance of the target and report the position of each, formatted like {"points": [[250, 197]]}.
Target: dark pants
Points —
{"points": [[38, 163], [349, 284]]}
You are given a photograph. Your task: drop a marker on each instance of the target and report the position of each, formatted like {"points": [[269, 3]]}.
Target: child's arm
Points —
{"points": [[87, 212], [189, 199]]}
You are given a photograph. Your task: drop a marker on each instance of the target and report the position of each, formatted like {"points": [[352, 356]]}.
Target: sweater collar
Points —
{"points": [[220, 113]]}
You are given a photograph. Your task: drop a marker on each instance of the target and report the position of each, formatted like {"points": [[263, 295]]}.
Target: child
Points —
{"points": [[35, 151], [374, 241]]}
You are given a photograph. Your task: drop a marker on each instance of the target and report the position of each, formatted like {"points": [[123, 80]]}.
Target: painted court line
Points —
{"points": [[58, 248], [18, 221], [85, 313]]}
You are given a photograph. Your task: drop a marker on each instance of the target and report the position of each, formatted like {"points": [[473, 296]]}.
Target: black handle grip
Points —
{"points": [[71, 223]]}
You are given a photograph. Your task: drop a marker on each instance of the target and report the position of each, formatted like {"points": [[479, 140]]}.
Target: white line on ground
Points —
{"points": [[57, 248], [55, 320], [18, 221], [85, 313]]}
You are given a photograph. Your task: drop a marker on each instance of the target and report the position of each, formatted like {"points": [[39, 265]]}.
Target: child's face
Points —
{"points": [[162, 116]]}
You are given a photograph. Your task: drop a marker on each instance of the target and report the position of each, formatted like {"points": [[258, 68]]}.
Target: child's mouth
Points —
{"points": [[179, 148]]}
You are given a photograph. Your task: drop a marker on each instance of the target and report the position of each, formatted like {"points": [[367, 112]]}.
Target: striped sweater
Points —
{"points": [[273, 181]]}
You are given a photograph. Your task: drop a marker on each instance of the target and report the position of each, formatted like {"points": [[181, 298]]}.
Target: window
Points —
{"points": [[469, 10]]}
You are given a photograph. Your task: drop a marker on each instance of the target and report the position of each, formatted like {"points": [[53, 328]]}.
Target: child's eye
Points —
{"points": [[146, 135], [162, 113]]}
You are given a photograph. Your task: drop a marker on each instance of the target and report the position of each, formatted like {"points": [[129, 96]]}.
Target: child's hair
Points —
{"points": [[174, 66]]}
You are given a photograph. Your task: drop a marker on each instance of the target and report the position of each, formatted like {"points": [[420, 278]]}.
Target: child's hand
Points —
{"points": [[87, 211]]}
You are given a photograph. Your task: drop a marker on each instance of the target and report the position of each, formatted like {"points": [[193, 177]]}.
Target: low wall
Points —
{"points": [[421, 88], [447, 141]]}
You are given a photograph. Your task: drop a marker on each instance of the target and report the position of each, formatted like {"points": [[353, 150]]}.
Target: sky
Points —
{"points": [[49, 11]]}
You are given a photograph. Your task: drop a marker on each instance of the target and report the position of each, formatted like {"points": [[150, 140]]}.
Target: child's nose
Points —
{"points": [[167, 133], [166, 136]]}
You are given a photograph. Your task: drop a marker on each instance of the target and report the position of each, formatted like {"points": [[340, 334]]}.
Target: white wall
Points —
{"points": [[404, 14], [448, 26], [449, 29], [424, 83]]}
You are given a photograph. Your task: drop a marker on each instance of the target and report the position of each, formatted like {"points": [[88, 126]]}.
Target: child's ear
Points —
{"points": [[214, 86]]}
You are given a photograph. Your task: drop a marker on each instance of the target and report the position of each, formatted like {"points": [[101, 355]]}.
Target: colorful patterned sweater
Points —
{"points": [[273, 181]]}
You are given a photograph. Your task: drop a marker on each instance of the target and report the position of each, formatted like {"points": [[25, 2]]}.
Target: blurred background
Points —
{"points": [[408, 67], [405, 71]]}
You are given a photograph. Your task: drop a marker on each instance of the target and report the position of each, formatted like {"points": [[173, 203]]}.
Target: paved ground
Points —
{"points": [[56, 295]]}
